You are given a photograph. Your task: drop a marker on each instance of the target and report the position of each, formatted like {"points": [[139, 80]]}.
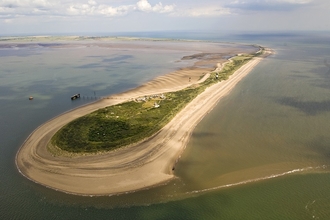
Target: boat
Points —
{"points": [[76, 96]]}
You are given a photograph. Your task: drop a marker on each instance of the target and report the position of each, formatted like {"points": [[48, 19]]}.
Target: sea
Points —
{"points": [[262, 153]]}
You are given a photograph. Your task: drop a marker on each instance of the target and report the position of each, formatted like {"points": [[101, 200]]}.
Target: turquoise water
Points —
{"points": [[262, 153]]}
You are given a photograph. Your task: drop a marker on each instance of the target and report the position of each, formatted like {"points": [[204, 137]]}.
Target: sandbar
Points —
{"points": [[135, 167]]}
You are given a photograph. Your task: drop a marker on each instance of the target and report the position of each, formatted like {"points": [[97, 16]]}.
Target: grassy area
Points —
{"points": [[119, 125]]}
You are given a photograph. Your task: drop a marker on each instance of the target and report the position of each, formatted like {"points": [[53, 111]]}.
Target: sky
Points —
{"points": [[110, 16]]}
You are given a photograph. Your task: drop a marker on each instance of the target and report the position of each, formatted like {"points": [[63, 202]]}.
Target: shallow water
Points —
{"points": [[262, 153], [276, 121]]}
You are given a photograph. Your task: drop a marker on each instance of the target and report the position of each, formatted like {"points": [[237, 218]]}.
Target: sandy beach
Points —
{"points": [[130, 168]]}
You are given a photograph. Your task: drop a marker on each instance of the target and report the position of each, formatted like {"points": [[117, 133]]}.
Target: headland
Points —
{"points": [[134, 167]]}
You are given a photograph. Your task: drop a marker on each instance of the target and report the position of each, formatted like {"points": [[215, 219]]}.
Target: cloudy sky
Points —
{"points": [[106, 16]]}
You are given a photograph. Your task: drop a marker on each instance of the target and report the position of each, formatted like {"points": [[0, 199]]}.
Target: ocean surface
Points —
{"points": [[262, 153]]}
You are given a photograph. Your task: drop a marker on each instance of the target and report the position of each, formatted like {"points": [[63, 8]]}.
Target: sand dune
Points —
{"points": [[133, 167]]}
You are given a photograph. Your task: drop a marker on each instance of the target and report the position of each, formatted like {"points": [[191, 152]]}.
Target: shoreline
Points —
{"points": [[144, 165]]}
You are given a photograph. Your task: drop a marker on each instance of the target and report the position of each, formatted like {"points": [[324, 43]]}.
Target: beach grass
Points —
{"points": [[130, 122]]}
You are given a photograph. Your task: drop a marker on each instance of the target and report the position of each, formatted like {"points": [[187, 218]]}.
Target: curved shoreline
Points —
{"points": [[129, 169]]}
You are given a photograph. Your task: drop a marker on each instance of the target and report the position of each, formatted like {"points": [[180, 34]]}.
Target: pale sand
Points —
{"points": [[130, 168]]}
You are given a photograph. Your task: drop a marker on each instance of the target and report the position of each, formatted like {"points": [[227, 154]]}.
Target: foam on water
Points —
{"points": [[300, 170], [319, 208]]}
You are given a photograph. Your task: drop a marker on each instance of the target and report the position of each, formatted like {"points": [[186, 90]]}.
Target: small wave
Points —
{"points": [[319, 208], [258, 179]]}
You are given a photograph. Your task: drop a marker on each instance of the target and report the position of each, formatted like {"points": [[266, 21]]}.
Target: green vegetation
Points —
{"points": [[119, 125]]}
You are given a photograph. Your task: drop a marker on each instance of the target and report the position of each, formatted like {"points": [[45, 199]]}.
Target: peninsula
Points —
{"points": [[142, 164]]}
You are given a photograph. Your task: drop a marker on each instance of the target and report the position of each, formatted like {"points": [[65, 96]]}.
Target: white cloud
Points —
{"points": [[25, 3], [145, 6], [112, 8], [65, 16], [210, 11], [93, 8], [74, 8], [113, 11], [92, 2], [163, 9], [16, 8]]}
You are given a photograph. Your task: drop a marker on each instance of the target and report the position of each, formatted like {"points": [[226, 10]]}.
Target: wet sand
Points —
{"points": [[130, 168]]}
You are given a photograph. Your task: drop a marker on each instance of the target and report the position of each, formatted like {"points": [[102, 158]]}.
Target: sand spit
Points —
{"points": [[130, 168]]}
